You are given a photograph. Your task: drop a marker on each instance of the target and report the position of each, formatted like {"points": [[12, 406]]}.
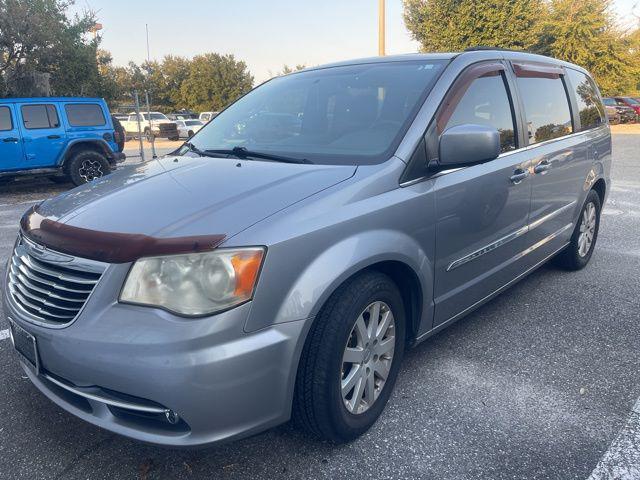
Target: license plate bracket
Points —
{"points": [[25, 346]]}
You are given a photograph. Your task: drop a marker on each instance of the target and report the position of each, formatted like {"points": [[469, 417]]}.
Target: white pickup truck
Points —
{"points": [[153, 125]]}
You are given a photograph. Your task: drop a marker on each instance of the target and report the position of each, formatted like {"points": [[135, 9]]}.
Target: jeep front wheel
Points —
{"points": [[86, 166]]}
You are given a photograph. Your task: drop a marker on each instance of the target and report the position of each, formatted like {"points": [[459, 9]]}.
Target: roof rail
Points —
{"points": [[481, 48]]}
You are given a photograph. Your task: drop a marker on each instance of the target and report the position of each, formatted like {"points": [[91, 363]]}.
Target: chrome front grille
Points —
{"points": [[49, 287]]}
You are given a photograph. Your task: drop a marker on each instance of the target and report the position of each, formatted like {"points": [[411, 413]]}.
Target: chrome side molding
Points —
{"points": [[489, 248], [510, 237]]}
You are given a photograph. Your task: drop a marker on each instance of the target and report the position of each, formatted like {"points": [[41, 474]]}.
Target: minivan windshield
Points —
{"points": [[349, 115]]}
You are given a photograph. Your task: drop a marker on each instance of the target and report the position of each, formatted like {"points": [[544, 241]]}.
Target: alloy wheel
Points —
{"points": [[367, 357], [587, 229], [90, 170]]}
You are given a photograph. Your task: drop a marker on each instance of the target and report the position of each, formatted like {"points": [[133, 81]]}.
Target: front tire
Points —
{"points": [[583, 241], [86, 166], [351, 359]]}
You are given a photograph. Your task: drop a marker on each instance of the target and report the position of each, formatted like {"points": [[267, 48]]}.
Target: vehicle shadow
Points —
{"points": [[41, 187]]}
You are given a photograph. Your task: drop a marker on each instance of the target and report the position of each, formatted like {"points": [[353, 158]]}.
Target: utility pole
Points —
{"points": [[381, 28], [146, 94], [146, 26]]}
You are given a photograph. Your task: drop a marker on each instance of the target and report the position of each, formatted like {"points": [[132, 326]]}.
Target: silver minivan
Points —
{"points": [[279, 264]]}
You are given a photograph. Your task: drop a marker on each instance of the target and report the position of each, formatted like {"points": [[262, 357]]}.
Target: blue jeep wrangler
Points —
{"points": [[65, 138]]}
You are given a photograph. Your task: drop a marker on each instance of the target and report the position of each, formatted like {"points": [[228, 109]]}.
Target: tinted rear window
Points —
{"points": [[85, 115], [546, 108], [590, 108], [40, 116], [5, 119]]}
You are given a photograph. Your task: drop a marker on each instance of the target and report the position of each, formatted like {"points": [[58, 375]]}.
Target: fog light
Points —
{"points": [[171, 416]]}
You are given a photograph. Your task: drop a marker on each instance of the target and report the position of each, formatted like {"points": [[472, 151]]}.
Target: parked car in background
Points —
{"points": [[153, 125], [206, 116], [121, 117], [187, 128], [617, 112], [629, 102], [183, 115], [71, 138], [283, 268]]}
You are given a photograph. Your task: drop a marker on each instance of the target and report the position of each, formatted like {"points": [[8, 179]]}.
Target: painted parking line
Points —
{"points": [[4, 334], [622, 460]]}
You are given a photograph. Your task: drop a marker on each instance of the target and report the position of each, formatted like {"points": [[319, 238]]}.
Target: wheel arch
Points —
{"points": [[410, 287], [73, 148], [600, 186]]}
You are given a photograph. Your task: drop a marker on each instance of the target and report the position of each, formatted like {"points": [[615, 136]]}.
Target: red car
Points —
{"points": [[629, 102]]}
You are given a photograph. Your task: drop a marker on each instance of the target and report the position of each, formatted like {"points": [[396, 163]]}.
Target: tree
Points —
{"points": [[286, 69], [579, 31], [214, 81], [37, 37], [584, 32], [453, 25], [175, 71]]}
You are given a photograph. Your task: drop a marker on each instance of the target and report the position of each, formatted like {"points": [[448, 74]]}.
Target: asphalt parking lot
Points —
{"points": [[535, 384]]}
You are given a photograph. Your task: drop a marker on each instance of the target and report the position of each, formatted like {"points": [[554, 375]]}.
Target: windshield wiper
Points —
{"points": [[242, 152], [197, 151]]}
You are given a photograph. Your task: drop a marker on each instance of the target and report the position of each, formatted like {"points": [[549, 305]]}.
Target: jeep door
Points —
{"points": [[43, 134], [11, 154], [482, 210]]}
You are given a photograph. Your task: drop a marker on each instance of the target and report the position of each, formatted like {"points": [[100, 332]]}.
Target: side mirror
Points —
{"points": [[468, 144]]}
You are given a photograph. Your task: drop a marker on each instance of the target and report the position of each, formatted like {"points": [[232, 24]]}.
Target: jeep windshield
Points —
{"points": [[349, 115]]}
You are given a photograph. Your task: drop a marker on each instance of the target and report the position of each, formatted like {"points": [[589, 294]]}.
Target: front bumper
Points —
{"points": [[222, 382]]}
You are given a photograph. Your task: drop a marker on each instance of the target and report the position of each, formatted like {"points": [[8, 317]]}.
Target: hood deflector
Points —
{"points": [[109, 247]]}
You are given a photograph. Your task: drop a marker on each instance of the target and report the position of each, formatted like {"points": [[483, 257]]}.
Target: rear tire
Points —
{"points": [[583, 241], [87, 165], [174, 139], [339, 351]]}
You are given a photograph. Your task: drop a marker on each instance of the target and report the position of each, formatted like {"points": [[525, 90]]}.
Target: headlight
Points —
{"points": [[194, 284]]}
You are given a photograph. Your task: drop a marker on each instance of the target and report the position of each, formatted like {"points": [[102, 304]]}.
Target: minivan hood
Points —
{"points": [[187, 196]]}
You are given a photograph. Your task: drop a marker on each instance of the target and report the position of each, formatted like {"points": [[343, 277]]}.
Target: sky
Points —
{"points": [[266, 34]]}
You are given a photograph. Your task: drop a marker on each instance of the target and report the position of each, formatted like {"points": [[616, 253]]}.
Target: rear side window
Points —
{"points": [[546, 108], [85, 115], [5, 119], [486, 102], [590, 108], [40, 116]]}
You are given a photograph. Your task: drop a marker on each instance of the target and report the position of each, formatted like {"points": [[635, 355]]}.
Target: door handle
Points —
{"points": [[542, 167], [518, 176], [53, 137], [11, 140]]}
